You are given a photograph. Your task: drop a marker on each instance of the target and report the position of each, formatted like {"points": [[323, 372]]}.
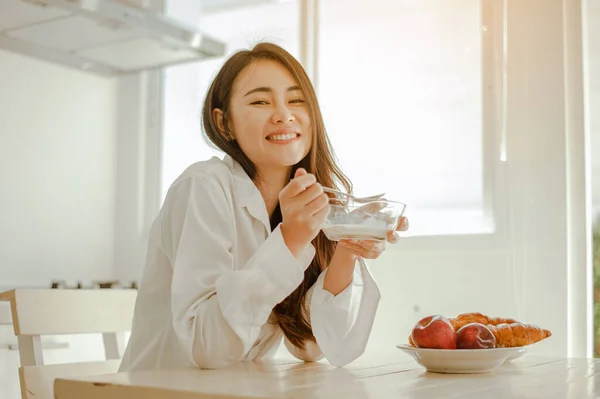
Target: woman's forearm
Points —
{"points": [[340, 271]]}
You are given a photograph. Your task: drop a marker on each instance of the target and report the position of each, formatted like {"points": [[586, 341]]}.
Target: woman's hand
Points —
{"points": [[393, 237], [370, 249], [304, 208], [341, 268]]}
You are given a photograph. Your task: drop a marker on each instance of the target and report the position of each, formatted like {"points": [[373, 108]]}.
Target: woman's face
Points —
{"points": [[269, 118]]}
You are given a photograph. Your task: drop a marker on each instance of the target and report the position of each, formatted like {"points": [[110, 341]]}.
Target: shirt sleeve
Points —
{"points": [[342, 324], [218, 311]]}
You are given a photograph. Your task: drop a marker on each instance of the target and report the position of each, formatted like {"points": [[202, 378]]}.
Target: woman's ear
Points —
{"points": [[221, 125]]}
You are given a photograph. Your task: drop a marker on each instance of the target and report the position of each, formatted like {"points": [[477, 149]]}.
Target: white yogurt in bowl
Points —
{"points": [[355, 231], [362, 221]]}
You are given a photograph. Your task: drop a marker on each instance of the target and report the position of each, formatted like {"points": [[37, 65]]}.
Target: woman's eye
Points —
{"points": [[258, 102], [297, 101]]}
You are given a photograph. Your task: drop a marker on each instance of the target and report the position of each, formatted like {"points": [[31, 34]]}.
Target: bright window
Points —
{"points": [[400, 85]]}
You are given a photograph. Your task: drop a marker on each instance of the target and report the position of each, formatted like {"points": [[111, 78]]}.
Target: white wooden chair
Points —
{"points": [[67, 311]]}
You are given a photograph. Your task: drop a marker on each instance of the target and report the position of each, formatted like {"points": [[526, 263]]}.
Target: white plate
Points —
{"points": [[461, 360], [517, 355]]}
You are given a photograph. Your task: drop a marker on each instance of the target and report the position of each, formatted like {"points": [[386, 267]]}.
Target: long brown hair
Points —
{"points": [[320, 161]]}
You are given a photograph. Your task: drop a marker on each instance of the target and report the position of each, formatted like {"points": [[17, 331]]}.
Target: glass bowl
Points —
{"points": [[373, 220]]}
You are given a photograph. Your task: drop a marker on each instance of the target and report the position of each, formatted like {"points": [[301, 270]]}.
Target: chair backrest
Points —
{"points": [[60, 311]]}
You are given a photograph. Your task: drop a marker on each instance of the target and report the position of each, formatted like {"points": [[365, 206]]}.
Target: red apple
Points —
{"points": [[475, 336], [434, 332]]}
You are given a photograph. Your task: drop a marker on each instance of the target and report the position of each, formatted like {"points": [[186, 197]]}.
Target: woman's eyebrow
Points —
{"points": [[269, 90]]}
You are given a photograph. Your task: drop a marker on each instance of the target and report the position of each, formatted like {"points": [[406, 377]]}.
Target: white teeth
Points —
{"points": [[281, 137]]}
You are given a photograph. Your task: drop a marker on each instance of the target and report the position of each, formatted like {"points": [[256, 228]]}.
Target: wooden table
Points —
{"points": [[374, 377]]}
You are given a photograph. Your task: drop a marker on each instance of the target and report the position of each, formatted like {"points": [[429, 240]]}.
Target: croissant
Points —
{"points": [[466, 318], [517, 334]]}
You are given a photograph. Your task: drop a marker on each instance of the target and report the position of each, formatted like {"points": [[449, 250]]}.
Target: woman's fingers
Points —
{"points": [[402, 224], [367, 249]]}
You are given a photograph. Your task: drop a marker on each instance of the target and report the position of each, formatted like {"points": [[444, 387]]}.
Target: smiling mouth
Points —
{"points": [[283, 137]]}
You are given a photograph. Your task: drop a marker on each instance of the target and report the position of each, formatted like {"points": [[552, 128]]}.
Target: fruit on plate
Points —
{"points": [[475, 336], [434, 332], [509, 333]]}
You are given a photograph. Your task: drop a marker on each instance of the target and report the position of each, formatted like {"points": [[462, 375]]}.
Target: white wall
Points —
{"points": [[57, 172], [592, 35], [137, 164]]}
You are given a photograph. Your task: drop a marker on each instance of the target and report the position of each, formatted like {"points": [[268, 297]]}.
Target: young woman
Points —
{"points": [[236, 258]]}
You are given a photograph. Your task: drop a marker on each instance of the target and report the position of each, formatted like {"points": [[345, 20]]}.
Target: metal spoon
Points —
{"points": [[353, 198]]}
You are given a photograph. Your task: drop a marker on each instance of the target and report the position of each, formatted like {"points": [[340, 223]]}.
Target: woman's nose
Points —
{"points": [[282, 114]]}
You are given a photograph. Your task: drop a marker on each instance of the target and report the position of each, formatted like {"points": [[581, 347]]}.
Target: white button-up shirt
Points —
{"points": [[215, 271]]}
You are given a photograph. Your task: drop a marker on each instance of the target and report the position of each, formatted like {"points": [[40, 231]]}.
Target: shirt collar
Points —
{"points": [[247, 193]]}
